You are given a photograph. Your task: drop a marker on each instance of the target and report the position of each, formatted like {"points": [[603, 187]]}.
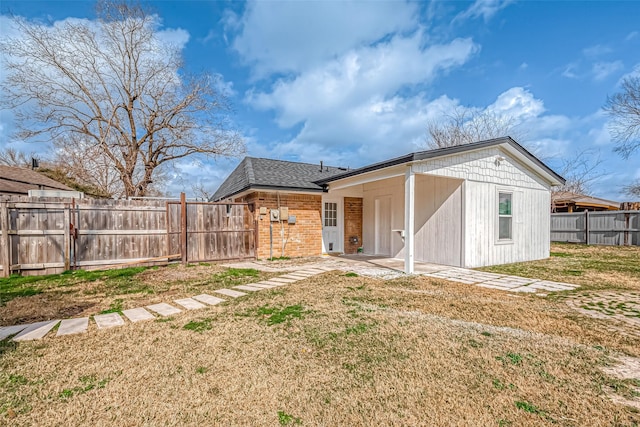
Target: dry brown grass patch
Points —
{"points": [[364, 352]]}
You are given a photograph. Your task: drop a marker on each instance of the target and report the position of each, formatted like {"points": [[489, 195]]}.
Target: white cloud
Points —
{"points": [[596, 50], [632, 35], [602, 70], [282, 37], [359, 76], [569, 71], [484, 9]]}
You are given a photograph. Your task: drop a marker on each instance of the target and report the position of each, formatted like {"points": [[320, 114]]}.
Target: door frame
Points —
{"points": [[338, 246]]}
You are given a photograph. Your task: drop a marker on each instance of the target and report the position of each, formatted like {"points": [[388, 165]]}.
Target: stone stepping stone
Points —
{"points": [[264, 285], [293, 277], [190, 303], [36, 331], [73, 326], [208, 299], [230, 293], [7, 331], [249, 288], [272, 283], [138, 314], [280, 279], [164, 309], [109, 320], [524, 289], [486, 285]]}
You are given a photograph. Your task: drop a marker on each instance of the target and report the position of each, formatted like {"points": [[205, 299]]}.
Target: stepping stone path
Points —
{"points": [[138, 314], [164, 309], [35, 331], [73, 326], [208, 299], [190, 303], [110, 320], [230, 293], [249, 288], [7, 331], [38, 330]]}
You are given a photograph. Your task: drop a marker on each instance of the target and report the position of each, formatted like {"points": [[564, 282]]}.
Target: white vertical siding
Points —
{"points": [[438, 220], [531, 220], [393, 187]]}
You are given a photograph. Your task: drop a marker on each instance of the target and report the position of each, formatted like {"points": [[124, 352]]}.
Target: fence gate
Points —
{"points": [[202, 231]]}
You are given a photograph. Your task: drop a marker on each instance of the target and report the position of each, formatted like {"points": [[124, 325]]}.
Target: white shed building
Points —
{"points": [[474, 205]]}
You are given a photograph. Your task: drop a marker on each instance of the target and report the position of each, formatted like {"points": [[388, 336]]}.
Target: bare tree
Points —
{"points": [[12, 157], [580, 171], [632, 189], [464, 126], [117, 87], [624, 110]]}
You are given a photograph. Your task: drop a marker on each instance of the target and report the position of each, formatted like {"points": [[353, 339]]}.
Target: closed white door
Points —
{"points": [[383, 225], [332, 223]]}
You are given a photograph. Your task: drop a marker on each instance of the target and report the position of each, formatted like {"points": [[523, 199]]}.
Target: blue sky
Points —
{"points": [[352, 83]]}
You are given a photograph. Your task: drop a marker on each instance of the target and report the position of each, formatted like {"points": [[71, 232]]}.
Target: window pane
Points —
{"points": [[505, 203], [505, 228]]}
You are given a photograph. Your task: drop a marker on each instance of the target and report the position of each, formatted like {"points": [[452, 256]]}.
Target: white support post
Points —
{"points": [[409, 205]]}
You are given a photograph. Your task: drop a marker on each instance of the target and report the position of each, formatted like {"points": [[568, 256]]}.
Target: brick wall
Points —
{"points": [[352, 224], [304, 238]]}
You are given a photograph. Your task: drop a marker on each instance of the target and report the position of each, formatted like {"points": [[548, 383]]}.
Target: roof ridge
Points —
{"points": [[248, 169]]}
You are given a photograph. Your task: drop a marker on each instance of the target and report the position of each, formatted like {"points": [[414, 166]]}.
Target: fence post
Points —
{"points": [[66, 245], [586, 226], [627, 226], [183, 227], [6, 253]]}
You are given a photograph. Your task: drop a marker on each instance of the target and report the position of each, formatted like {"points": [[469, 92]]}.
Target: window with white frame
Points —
{"points": [[505, 218], [330, 214]]}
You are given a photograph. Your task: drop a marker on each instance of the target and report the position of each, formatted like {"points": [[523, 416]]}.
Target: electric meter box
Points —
{"points": [[275, 215]]}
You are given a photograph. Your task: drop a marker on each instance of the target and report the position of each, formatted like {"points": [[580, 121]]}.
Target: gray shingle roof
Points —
{"points": [[259, 173], [15, 180], [439, 152]]}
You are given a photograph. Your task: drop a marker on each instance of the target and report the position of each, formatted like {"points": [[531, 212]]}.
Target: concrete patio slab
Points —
{"points": [[208, 299], [36, 331], [164, 309], [73, 326], [7, 331], [230, 293], [138, 314], [190, 303], [109, 320], [249, 288]]}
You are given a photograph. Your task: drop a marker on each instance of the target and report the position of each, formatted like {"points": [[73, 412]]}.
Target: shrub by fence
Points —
{"points": [[42, 236], [597, 228]]}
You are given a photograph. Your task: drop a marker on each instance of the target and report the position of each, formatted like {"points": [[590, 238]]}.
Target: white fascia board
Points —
{"points": [[367, 177]]}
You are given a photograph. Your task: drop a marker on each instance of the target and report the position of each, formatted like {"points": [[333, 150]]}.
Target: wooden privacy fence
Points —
{"points": [[597, 228], [42, 236]]}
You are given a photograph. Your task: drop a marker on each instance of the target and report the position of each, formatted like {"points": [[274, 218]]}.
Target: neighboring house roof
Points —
{"points": [[267, 174], [565, 198], [15, 180], [441, 152]]}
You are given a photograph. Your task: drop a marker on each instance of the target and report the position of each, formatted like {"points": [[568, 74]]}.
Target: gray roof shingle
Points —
{"points": [[260, 173], [15, 180]]}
